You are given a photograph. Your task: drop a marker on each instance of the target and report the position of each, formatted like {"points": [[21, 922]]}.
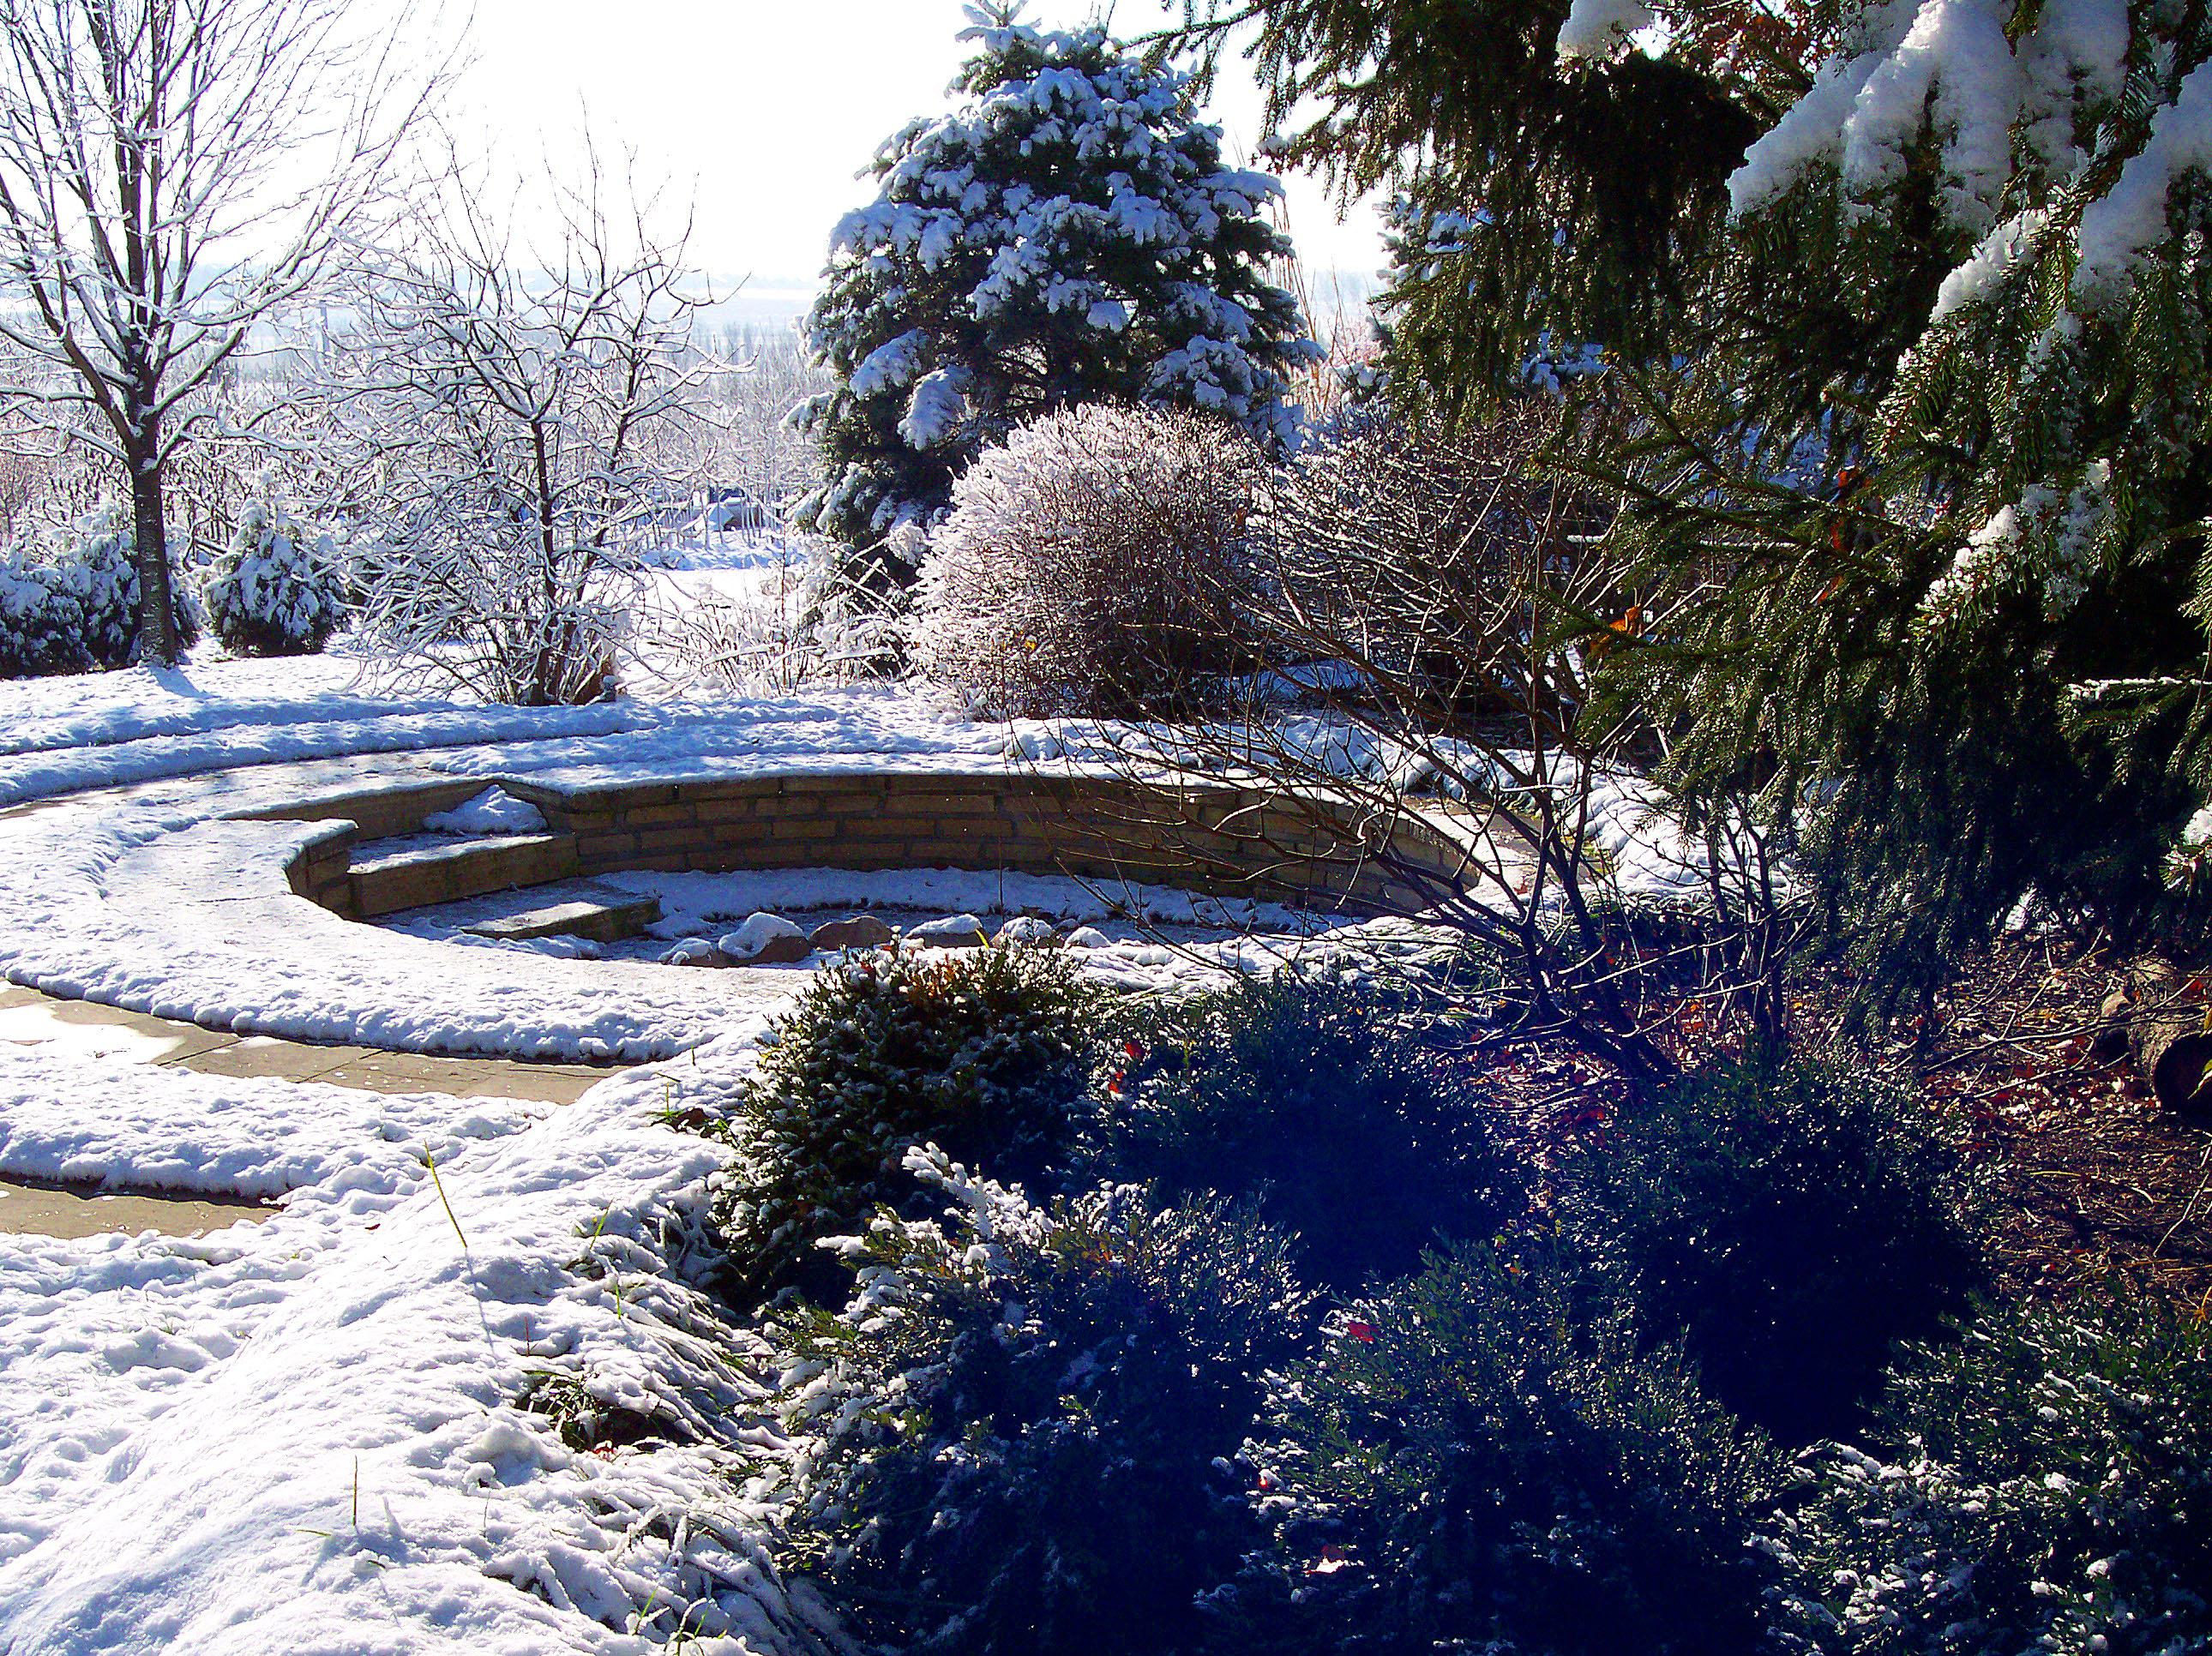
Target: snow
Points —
{"points": [[1995, 257], [493, 811], [936, 411], [1946, 69], [309, 1435], [315, 1434], [758, 931], [950, 931], [1810, 131], [2121, 225], [150, 901], [1600, 28], [71, 1117], [691, 904]]}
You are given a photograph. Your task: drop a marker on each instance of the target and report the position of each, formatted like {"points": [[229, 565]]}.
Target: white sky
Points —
{"points": [[763, 111]]}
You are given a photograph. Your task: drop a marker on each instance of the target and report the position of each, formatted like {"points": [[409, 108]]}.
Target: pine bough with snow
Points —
{"points": [[69, 599], [1068, 233], [280, 589], [2006, 208]]}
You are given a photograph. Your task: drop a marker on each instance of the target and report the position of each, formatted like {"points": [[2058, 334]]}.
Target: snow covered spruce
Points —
{"points": [[1068, 233], [280, 589]]}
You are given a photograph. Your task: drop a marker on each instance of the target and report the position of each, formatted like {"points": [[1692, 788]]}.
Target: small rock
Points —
{"points": [[1088, 937], [765, 940], [691, 951], [953, 932], [1026, 929], [854, 931]]}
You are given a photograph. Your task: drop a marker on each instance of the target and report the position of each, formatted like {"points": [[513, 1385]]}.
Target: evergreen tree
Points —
{"points": [[1068, 233], [1908, 305], [1965, 276], [1551, 185]]}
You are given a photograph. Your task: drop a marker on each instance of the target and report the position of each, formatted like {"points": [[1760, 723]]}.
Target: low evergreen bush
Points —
{"points": [[1018, 1430], [279, 589], [985, 1051], [1484, 1461], [1790, 1226], [2050, 1490], [69, 602], [1315, 1099]]}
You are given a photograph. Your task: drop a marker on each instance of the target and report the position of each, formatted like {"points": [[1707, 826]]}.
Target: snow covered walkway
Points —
{"points": [[339, 1430]]}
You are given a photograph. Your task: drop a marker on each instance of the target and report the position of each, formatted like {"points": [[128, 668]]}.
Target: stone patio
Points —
{"points": [[30, 1019]]}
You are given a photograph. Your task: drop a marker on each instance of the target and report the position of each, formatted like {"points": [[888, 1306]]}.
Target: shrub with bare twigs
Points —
{"points": [[1091, 565], [507, 430], [1431, 600]]}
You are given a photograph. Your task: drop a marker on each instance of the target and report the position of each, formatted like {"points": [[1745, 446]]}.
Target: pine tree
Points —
{"points": [[1915, 357], [1551, 184], [1068, 233], [1966, 271]]}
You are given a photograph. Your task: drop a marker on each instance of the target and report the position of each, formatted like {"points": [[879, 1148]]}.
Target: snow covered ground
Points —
{"points": [[338, 1430], [313, 1434], [316, 1433]]}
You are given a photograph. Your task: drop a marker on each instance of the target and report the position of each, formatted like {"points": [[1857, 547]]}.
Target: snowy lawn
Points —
{"points": [[309, 1435], [312, 1434]]}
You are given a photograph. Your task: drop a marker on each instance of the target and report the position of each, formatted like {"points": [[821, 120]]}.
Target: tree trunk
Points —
{"points": [[2166, 1036], [157, 609]]}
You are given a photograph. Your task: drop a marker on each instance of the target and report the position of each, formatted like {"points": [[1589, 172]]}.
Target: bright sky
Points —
{"points": [[763, 111]]}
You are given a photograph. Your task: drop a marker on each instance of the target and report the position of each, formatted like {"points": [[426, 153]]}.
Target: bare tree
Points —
{"points": [[1434, 606], [174, 173], [507, 406]]}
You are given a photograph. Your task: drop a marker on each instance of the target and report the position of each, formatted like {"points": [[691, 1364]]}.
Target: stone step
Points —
{"points": [[385, 882], [600, 914]]}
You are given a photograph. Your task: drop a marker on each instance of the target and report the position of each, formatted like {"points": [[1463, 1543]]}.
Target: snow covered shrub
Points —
{"points": [[280, 589], [69, 602], [1090, 565], [2051, 1489], [1313, 1099], [1477, 1461], [1067, 233], [987, 1052], [1022, 1421], [1789, 1225], [801, 625]]}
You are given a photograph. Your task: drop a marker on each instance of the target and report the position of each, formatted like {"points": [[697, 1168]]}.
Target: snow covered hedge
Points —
{"points": [[1316, 1103], [2051, 1489], [1015, 1437], [986, 1053], [1481, 1457], [69, 601], [1068, 233], [1091, 564], [280, 590]]}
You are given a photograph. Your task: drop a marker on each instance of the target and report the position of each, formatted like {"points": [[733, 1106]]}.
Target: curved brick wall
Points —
{"points": [[1223, 840]]}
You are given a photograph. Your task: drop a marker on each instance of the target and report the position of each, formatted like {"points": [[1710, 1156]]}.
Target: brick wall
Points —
{"points": [[1227, 841]]}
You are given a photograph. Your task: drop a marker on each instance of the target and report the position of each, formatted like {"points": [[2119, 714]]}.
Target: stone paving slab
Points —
{"points": [[30, 1019], [47, 1209], [264, 1057], [182, 1040]]}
